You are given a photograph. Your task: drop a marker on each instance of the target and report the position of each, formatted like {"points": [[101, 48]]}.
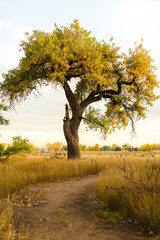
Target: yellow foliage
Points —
{"points": [[96, 147], [126, 81], [5, 145], [51, 147]]}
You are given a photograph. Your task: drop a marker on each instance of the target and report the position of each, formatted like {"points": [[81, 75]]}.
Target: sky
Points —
{"points": [[40, 118]]}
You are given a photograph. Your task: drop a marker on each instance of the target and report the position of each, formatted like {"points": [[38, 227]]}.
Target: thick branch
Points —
{"points": [[94, 96], [107, 93], [97, 95]]}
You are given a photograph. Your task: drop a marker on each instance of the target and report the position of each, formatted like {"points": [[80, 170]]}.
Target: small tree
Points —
{"points": [[58, 145], [50, 147], [118, 148], [34, 148], [124, 82], [83, 147], [19, 145], [105, 148], [127, 147], [96, 147]]}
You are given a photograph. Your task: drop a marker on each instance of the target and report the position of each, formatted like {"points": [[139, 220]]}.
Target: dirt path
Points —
{"points": [[65, 210]]}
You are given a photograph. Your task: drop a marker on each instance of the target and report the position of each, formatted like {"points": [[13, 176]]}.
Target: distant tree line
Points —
{"points": [[114, 147], [23, 145], [126, 147]]}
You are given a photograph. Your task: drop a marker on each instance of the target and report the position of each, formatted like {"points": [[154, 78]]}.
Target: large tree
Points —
{"points": [[125, 82]]}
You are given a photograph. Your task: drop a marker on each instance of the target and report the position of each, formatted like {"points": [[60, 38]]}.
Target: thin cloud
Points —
{"points": [[10, 40], [4, 25]]}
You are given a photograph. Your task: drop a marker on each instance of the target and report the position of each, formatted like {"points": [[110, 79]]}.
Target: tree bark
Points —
{"points": [[70, 128]]}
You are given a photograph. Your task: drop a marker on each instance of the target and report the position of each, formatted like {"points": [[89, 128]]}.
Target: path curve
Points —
{"points": [[66, 213]]}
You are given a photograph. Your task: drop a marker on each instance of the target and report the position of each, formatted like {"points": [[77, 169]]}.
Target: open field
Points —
{"points": [[127, 190], [26, 169]]}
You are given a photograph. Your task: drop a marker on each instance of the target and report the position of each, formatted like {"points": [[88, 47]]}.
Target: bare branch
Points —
{"points": [[118, 189], [70, 96], [152, 171]]}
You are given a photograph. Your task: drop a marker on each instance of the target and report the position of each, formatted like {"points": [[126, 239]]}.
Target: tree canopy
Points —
{"points": [[125, 82]]}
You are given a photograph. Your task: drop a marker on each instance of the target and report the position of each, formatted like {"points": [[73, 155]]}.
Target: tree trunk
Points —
{"points": [[71, 135], [72, 140]]}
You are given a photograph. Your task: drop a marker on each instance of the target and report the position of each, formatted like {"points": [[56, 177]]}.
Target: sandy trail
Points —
{"points": [[66, 213]]}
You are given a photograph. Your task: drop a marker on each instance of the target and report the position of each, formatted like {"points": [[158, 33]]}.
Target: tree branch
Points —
{"points": [[133, 132], [94, 96], [97, 123], [107, 93], [70, 96], [118, 189], [97, 95]]}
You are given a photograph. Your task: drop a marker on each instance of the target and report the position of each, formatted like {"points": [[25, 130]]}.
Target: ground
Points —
{"points": [[64, 211]]}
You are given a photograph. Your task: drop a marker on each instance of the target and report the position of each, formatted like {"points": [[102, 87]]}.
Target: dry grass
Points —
{"points": [[7, 230], [26, 169], [132, 187], [30, 169]]}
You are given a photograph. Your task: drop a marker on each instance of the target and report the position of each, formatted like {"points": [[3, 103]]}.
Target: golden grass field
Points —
{"points": [[129, 183]]}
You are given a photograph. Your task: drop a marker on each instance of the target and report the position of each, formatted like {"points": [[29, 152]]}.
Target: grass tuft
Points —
{"points": [[109, 217]]}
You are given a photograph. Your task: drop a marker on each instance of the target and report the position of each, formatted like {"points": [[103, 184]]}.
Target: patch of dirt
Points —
{"points": [[64, 211]]}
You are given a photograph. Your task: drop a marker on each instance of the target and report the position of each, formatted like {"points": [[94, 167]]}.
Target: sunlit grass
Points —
{"points": [[132, 187], [128, 185], [7, 226], [23, 170]]}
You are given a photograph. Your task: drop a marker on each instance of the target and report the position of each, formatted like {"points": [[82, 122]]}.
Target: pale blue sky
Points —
{"points": [[40, 119]]}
